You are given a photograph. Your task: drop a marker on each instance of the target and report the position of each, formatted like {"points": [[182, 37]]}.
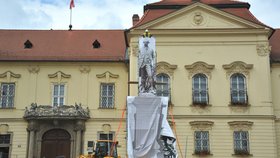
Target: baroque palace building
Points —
{"points": [[63, 89]]}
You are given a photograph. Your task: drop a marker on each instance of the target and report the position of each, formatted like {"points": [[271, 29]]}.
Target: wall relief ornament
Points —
{"points": [[134, 50], [166, 68], [199, 67], [198, 18], [238, 67], [263, 49], [202, 125], [33, 69], [84, 69], [240, 125], [106, 128]]}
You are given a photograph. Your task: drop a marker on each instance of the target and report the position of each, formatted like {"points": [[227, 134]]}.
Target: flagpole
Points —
{"points": [[71, 6], [70, 26]]}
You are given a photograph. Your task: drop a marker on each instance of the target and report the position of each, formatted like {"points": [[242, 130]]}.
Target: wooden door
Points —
{"points": [[56, 144]]}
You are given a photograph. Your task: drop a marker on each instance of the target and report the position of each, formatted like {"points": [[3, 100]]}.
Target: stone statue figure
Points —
{"points": [[147, 65]]}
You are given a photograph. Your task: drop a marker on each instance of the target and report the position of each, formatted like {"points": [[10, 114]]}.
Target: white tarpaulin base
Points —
{"points": [[149, 134]]}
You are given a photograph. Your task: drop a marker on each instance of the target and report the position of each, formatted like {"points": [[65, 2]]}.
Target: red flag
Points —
{"points": [[72, 5]]}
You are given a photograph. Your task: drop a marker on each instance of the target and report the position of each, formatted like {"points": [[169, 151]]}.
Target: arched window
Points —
{"points": [[163, 85], [238, 89], [200, 90]]}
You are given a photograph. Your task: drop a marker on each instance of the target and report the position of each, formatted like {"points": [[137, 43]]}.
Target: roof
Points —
{"points": [[274, 42], [164, 7], [188, 2], [62, 45]]}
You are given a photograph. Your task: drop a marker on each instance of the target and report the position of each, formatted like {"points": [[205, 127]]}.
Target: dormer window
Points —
{"points": [[28, 45], [96, 44]]}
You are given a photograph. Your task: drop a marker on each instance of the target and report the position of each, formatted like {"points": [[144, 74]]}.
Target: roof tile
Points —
{"points": [[188, 2], [274, 41], [152, 14], [56, 45]]}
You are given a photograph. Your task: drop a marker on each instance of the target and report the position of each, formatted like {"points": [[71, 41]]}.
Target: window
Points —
{"points": [[163, 86], [28, 44], [200, 90], [241, 142], [238, 89], [58, 94], [5, 145], [7, 95], [202, 142], [107, 95], [105, 136], [96, 44], [105, 144]]}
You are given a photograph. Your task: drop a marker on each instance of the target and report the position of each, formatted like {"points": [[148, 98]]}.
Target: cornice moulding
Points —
{"points": [[247, 123], [233, 31], [205, 123]]}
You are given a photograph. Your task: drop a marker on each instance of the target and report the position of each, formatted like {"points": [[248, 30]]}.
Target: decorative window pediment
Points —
{"points": [[238, 67], [107, 75], [8, 75], [202, 125], [165, 68], [240, 125], [199, 67], [59, 75]]}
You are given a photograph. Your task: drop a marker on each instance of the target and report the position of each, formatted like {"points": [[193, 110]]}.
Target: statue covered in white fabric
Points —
{"points": [[147, 65]]}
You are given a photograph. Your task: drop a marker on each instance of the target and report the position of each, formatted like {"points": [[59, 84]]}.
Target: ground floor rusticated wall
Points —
{"points": [[262, 136]]}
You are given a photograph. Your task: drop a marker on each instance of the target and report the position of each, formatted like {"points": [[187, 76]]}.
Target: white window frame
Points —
{"points": [[162, 91], [107, 96], [241, 150], [7, 95], [239, 99], [58, 96], [200, 90], [201, 147]]}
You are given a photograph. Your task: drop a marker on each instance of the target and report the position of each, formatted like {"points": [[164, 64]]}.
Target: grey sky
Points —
{"points": [[98, 14]]}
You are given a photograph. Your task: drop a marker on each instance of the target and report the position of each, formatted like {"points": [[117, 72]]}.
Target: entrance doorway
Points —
{"points": [[56, 144]]}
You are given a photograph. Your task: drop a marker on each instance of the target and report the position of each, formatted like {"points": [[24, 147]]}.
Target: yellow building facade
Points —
{"points": [[220, 79]]}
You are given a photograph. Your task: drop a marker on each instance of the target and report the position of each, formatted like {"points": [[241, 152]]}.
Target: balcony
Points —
{"points": [[64, 112]]}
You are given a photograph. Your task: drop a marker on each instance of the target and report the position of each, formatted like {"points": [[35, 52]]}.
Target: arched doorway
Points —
{"points": [[56, 144]]}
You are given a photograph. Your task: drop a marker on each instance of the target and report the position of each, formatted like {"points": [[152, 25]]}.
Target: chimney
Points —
{"points": [[135, 19]]}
